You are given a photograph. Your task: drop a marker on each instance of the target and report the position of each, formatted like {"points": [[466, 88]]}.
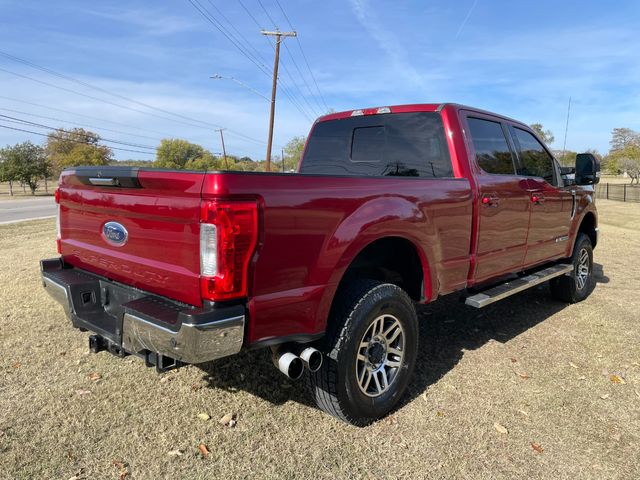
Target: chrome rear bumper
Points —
{"points": [[139, 322]]}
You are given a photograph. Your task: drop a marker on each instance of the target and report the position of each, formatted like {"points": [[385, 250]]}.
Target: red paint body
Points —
{"points": [[466, 230]]}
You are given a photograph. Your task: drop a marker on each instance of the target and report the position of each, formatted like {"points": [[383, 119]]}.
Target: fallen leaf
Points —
{"points": [[118, 464], [524, 413], [203, 416], [513, 360], [79, 475], [617, 379], [175, 453], [166, 379], [522, 375], [204, 451], [124, 474], [83, 392], [500, 429], [439, 414], [95, 376], [229, 420], [605, 396], [571, 364], [195, 387], [16, 365], [537, 447]]}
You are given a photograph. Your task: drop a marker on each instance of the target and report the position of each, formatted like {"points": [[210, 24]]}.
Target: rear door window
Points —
{"points": [[535, 161], [401, 144], [493, 154]]}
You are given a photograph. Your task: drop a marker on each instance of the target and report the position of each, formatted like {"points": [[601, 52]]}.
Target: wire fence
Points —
{"points": [[620, 192]]}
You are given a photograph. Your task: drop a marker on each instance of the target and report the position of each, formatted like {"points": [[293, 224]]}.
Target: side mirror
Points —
{"points": [[587, 169]]}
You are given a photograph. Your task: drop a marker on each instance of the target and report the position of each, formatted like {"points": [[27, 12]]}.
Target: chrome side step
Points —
{"points": [[512, 287]]}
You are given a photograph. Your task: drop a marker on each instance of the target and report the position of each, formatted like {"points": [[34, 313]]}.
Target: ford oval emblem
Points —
{"points": [[115, 234]]}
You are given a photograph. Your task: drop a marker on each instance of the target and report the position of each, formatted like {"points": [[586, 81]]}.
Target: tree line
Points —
{"points": [[29, 165]]}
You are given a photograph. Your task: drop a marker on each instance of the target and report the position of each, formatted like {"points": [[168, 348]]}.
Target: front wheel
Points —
{"points": [[371, 348], [579, 284]]}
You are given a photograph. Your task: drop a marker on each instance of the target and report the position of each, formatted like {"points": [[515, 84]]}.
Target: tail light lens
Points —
{"points": [[56, 196], [228, 237]]}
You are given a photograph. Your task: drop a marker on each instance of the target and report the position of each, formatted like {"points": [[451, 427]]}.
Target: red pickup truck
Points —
{"points": [[391, 207]]}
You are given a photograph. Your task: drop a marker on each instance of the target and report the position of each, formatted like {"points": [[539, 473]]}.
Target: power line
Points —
{"points": [[79, 124], [74, 141], [200, 123], [7, 118], [295, 64], [304, 56], [17, 100], [256, 60], [94, 87]]}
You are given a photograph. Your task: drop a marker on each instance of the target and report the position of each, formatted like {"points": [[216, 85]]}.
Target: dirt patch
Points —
{"points": [[525, 388]]}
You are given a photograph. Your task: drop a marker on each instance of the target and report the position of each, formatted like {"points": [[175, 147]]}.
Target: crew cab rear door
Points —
{"points": [[503, 203], [549, 224]]}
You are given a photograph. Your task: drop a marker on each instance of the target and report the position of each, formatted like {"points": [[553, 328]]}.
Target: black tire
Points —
{"points": [[570, 288], [362, 308]]}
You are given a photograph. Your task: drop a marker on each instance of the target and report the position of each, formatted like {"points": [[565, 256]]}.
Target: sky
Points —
{"points": [[138, 71]]}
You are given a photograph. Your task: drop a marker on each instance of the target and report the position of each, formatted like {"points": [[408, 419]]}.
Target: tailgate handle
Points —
{"points": [[104, 182]]}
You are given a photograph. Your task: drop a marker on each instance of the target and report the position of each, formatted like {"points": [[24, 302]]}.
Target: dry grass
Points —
{"points": [[539, 368], [615, 179]]}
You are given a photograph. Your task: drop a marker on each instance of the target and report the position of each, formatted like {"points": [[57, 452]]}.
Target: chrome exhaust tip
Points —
{"points": [[311, 358], [289, 364]]}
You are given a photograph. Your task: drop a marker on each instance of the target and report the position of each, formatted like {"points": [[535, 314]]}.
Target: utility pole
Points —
{"points": [[278, 34], [282, 151], [224, 152]]}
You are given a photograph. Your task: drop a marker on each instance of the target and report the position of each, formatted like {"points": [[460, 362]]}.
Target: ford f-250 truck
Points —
{"points": [[391, 207]]}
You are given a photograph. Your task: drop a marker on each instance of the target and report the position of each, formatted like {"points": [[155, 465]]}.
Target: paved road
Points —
{"points": [[12, 211]]}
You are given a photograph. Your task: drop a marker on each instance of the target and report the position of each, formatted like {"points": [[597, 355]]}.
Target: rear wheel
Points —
{"points": [[579, 284], [371, 347]]}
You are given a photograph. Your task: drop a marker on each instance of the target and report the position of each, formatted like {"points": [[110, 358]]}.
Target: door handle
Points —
{"points": [[490, 200], [537, 198]]}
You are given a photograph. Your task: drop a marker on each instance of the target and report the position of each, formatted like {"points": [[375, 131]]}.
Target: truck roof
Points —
{"points": [[411, 107]]}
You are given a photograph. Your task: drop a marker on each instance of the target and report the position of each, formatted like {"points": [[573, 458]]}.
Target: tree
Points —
{"points": [[566, 158], [622, 137], [545, 135], [8, 168], [177, 153], [26, 163], [293, 152], [205, 162], [72, 148], [628, 160]]}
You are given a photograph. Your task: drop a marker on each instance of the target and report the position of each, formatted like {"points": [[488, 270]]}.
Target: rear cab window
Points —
{"points": [[394, 144], [492, 151]]}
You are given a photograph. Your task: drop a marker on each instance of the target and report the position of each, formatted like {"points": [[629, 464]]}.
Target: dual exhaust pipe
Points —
{"points": [[293, 362]]}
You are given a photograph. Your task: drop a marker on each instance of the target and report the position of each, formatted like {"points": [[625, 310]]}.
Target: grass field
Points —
{"points": [[526, 388], [19, 192]]}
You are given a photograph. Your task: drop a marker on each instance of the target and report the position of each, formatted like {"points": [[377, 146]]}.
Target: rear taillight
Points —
{"points": [[56, 196], [228, 237]]}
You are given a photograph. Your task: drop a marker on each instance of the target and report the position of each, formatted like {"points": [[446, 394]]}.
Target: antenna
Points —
{"points": [[566, 129]]}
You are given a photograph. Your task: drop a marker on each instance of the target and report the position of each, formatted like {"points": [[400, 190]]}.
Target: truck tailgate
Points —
{"points": [[140, 228]]}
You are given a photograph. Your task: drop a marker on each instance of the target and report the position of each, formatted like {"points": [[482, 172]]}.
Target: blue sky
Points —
{"points": [[521, 59]]}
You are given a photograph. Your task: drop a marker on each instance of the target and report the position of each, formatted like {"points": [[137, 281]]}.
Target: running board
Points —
{"points": [[512, 287]]}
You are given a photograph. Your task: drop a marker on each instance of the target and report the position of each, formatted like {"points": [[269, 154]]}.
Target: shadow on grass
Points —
{"points": [[447, 329]]}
